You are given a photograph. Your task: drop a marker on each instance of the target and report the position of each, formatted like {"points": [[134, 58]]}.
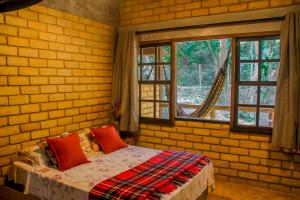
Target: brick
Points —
{"points": [[47, 19], [48, 106], [212, 126], [9, 110], [249, 144], [228, 172], [220, 148], [259, 169], [290, 182], [238, 166], [167, 16], [229, 157], [169, 142], [47, 36], [47, 54], [37, 25], [269, 178], [48, 124], [276, 3], [56, 46], [259, 153], [27, 14], [201, 146], [218, 10], [210, 3], [230, 142], [279, 156], [4, 161], [213, 155], [39, 134], [239, 136], [185, 144], [199, 131], [9, 130], [30, 89], [3, 80], [38, 98], [14, 139], [30, 127], [16, 21], [7, 150], [8, 71], [56, 97], [219, 133], [16, 41], [177, 136], [57, 114], [18, 80], [280, 172], [221, 163], [239, 151], [248, 159], [38, 44], [195, 124], [30, 108], [162, 134], [27, 52], [41, 116], [211, 140], [270, 163], [8, 50], [28, 33], [39, 80], [36, 62], [54, 29], [17, 100], [237, 7], [258, 4], [248, 175], [9, 90], [17, 61], [8, 30], [3, 121]]}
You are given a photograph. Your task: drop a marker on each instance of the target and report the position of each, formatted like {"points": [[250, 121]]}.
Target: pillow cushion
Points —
{"points": [[48, 152], [109, 139], [85, 140], [67, 151], [33, 156]]}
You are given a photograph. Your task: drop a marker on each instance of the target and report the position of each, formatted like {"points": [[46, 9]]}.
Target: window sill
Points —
{"points": [[253, 130], [201, 120]]}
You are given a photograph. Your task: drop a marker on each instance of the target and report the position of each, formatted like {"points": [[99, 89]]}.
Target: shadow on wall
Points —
{"points": [[106, 11]]}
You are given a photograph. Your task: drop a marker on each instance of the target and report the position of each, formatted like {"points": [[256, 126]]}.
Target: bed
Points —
{"points": [[48, 183]]}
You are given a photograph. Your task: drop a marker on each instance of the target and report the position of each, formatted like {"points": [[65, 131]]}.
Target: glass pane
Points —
{"points": [[249, 50], [247, 116], [164, 54], [148, 55], [266, 117], [139, 56], [147, 92], [147, 109], [139, 72], [163, 72], [248, 71], [148, 73], [267, 95], [269, 71], [270, 49], [162, 92], [162, 110], [247, 94]]}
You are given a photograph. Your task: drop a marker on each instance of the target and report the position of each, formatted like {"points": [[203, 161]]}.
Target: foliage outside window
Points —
{"points": [[154, 75], [198, 63], [257, 64]]}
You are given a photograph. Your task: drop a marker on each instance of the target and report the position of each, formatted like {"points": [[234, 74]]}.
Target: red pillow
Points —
{"points": [[109, 139], [67, 151]]}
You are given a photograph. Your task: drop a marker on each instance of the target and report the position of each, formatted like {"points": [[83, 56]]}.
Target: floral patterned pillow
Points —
{"points": [[85, 140], [33, 156], [50, 155]]}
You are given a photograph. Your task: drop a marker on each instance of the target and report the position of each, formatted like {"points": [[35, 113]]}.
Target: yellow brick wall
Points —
{"points": [[55, 76], [134, 12], [238, 157]]}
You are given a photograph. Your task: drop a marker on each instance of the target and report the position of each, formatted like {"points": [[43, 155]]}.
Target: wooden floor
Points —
{"points": [[233, 191]]}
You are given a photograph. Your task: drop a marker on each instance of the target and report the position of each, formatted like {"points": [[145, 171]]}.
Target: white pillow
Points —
{"points": [[34, 156]]}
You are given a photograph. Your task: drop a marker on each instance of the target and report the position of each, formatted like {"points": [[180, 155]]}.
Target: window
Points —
{"points": [[197, 64], [155, 78], [257, 64]]}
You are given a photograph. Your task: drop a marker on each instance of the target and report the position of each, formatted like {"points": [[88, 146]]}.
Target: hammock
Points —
{"points": [[213, 94]]}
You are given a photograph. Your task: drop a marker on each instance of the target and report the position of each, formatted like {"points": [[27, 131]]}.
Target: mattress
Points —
{"points": [[49, 183]]}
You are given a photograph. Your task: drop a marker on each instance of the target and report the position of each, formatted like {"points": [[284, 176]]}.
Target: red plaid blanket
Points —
{"points": [[152, 179]]}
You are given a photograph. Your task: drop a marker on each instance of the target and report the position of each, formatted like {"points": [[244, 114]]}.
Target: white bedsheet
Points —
{"points": [[75, 183]]}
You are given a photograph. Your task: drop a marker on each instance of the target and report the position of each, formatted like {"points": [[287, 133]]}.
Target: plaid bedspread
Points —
{"points": [[152, 179]]}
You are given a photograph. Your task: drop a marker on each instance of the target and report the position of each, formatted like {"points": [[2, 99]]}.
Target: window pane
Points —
{"points": [[162, 92], [148, 73], [163, 72], [266, 117], [248, 71], [247, 94], [164, 54], [267, 95], [147, 92], [147, 109], [249, 50], [148, 55], [269, 71], [162, 110], [139, 72], [270, 49], [247, 116]]}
